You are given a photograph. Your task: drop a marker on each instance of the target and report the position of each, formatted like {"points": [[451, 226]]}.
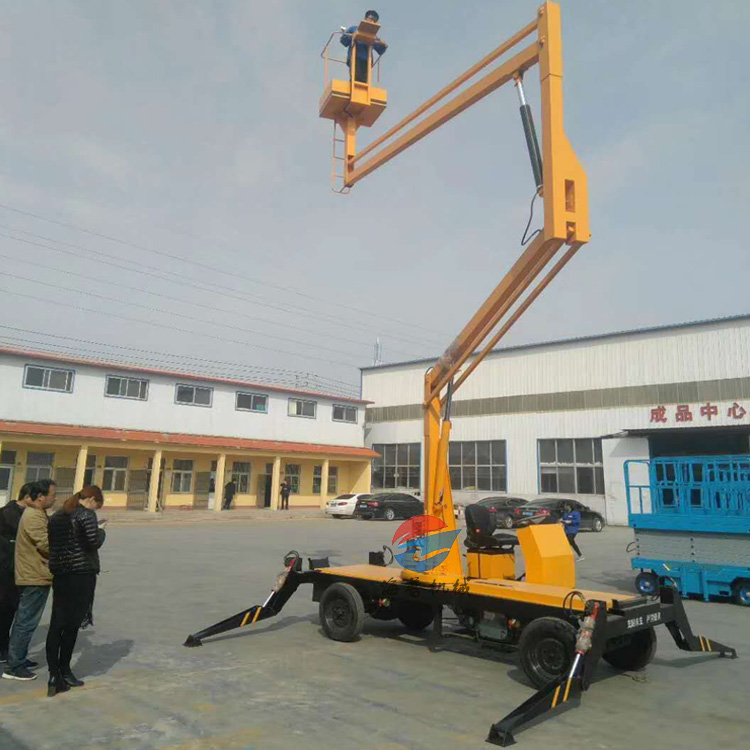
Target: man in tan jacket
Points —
{"points": [[33, 577]]}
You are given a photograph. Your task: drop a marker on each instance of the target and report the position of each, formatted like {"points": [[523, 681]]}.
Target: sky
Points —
{"points": [[165, 181]]}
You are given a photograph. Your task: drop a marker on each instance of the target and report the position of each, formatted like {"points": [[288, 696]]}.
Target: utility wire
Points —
{"points": [[206, 266], [211, 336], [262, 368], [306, 382], [158, 310], [184, 280], [192, 303]]}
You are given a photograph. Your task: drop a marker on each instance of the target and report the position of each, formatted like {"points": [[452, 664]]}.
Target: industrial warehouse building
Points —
{"points": [[83, 422], [561, 418]]}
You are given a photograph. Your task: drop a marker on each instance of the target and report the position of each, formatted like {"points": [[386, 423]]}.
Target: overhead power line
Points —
{"points": [[204, 286], [191, 303], [262, 368], [211, 336], [301, 380], [209, 267]]}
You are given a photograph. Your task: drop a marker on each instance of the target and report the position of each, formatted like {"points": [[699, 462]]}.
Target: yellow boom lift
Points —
{"points": [[561, 632]]}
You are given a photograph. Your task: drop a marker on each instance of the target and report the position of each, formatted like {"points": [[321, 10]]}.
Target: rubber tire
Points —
{"points": [[507, 522], [348, 601], [390, 514], [646, 577], [415, 615], [636, 655], [597, 525], [533, 635], [741, 592]]}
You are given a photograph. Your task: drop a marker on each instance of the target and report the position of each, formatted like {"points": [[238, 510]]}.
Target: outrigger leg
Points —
{"points": [[286, 584], [679, 628], [590, 646], [567, 689]]}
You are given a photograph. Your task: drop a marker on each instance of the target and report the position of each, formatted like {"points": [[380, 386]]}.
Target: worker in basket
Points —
{"points": [[363, 53]]}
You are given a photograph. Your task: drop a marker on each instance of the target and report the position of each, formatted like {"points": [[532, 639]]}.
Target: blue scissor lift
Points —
{"points": [[691, 518]]}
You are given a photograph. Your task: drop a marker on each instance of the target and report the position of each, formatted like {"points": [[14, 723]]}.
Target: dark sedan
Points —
{"points": [[389, 505], [551, 511], [503, 508]]}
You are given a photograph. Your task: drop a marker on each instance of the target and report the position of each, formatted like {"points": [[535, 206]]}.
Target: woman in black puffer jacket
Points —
{"points": [[74, 541]]}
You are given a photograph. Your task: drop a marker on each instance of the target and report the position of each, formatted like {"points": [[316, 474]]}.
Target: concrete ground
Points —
{"points": [[284, 685]]}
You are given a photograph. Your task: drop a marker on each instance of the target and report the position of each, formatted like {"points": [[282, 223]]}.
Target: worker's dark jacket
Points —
{"points": [[10, 516], [362, 49], [74, 539]]}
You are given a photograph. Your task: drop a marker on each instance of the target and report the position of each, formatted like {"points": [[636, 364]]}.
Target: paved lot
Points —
{"points": [[284, 685]]}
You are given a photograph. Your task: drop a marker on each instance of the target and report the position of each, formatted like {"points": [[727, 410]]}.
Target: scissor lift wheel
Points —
{"points": [[415, 615]]}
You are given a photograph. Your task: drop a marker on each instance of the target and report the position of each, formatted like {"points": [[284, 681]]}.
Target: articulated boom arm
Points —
{"points": [[566, 228], [560, 182]]}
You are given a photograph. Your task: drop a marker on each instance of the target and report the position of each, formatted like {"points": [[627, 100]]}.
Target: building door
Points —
{"points": [[137, 498], [212, 486], [202, 490], [264, 489], [6, 483]]}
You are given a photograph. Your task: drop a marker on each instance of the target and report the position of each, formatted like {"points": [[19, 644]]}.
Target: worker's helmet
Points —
{"points": [[373, 14]]}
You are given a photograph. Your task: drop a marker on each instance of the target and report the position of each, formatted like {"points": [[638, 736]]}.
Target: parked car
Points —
{"points": [[389, 505], [549, 510], [502, 508], [344, 505]]}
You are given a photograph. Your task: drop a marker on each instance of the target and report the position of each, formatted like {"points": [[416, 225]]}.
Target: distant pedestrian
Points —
{"points": [[75, 537], [10, 517], [571, 520], [285, 492], [32, 576], [230, 490]]}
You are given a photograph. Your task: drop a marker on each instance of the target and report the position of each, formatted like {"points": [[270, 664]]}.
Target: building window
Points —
{"points": [[292, 474], [333, 480], [115, 473], [88, 474], [344, 413], [48, 378], [241, 476], [300, 408], [7, 457], [126, 388], [194, 395], [478, 465], [252, 402], [571, 466], [39, 466], [397, 466], [182, 475]]}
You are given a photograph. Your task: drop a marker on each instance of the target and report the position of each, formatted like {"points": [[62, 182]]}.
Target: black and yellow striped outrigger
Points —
{"points": [[567, 690], [283, 589]]}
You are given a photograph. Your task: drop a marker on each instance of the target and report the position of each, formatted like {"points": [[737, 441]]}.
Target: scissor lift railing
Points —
{"points": [[690, 486]]}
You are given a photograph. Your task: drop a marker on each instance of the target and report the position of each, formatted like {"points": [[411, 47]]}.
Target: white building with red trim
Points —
{"points": [[81, 421]]}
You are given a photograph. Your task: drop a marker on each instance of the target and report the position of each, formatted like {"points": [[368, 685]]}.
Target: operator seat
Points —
{"points": [[479, 527]]}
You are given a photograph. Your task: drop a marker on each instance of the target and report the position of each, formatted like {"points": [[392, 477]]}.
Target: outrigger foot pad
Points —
{"points": [[192, 642]]}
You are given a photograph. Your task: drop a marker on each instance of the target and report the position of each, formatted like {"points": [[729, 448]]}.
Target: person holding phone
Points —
{"points": [[75, 537]]}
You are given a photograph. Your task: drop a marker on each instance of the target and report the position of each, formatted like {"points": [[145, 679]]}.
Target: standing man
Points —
{"points": [[572, 524], [230, 490], [285, 491], [363, 54], [10, 517], [33, 578]]}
